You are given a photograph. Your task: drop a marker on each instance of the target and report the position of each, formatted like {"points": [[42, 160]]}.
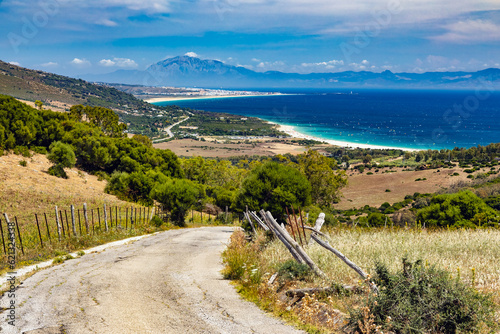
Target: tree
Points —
{"points": [[324, 178], [274, 187], [62, 155], [178, 196], [367, 159], [39, 104]]}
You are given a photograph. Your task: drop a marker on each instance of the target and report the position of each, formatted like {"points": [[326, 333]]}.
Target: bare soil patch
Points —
{"points": [[364, 189], [212, 148]]}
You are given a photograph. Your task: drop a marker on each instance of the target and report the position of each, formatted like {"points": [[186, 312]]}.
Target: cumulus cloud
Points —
{"points": [[191, 54], [14, 63], [80, 62], [118, 62], [469, 32]]}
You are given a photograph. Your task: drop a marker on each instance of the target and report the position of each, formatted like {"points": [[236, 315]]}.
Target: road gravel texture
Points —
{"points": [[166, 283]]}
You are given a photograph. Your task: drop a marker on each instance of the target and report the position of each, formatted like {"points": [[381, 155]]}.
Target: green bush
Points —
{"points": [[376, 219], [58, 171], [291, 270], [462, 209], [274, 187], [23, 163], [156, 221], [421, 299]]}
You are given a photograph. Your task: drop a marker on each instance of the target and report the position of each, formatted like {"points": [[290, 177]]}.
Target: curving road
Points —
{"points": [[166, 283]]}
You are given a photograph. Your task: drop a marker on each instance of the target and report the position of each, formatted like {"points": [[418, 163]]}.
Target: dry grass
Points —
{"points": [[26, 191], [471, 256], [466, 253]]}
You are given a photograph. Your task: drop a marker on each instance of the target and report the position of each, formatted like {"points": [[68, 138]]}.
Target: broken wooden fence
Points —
{"points": [[296, 240]]}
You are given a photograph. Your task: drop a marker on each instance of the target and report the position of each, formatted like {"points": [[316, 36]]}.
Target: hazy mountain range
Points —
{"points": [[185, 71]]}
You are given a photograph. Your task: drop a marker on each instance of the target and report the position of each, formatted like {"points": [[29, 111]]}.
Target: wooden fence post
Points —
{"points": [[38, 227], [67, 222], [105, 218], [86, 216], [116, 216], [126, 218], [19, 235], [73, 226], [99, 217], [62, 223], [3, 240], [79, 222], [58, 225], [111, 216], [47, 225], [92, 214]]}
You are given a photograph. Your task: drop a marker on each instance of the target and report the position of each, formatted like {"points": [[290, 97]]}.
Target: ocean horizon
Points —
{"points": [[407, 119]]}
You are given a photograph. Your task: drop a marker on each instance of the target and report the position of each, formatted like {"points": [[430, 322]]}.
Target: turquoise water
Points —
{"points": [[394, 118]]}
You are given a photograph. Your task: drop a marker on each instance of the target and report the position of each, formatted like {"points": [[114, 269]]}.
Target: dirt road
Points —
{"points": [[166, 283]]}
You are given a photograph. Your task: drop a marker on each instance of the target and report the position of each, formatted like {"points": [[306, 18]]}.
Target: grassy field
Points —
{"points": [[471, 256]]}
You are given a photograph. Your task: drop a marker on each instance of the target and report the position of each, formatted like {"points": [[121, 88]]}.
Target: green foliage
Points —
{"points": [[274, 187], [377, 219], [105, 119], [291, 270], [156, 221], [58, 171], [421, 299], [323, 176], [463, 209], [62, 154], [178, 196], [23, 163]]}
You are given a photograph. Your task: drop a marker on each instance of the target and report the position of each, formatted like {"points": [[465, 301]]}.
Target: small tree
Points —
{"points": [[62, 155], [274, 187], [178, 196], [39, 104]]}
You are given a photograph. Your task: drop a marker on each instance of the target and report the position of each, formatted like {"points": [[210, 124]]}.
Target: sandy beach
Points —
{"points": [[290, 130], [185, 98]]}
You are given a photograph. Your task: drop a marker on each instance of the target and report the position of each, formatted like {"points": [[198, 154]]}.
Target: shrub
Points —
{"points": [[156, 221], [457, 210], [291, 270], [58, 171], [23, 163], [376, 219], [421, 299]]}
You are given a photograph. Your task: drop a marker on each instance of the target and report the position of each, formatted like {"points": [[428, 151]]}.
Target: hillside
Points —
{"points": [[60, 93]]}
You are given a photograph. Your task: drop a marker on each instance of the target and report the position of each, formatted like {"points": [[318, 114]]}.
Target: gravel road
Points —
{"points": [[166, 283]]}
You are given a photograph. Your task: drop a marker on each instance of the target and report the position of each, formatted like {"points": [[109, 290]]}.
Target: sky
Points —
{"points": [[78, 37]]}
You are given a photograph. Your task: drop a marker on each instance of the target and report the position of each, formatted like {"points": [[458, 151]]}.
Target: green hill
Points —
{"points": [[53, 89]]}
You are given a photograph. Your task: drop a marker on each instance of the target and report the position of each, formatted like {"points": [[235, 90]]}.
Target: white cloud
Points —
{"points": [[50, 64], [118, 62], [80, 62], [470, 31], [106, 22], [14, 63], [148, 6], [191, 54]]}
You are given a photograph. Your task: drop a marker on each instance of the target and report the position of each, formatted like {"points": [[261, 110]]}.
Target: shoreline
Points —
{"points": [[189, 98], [290, 130]]}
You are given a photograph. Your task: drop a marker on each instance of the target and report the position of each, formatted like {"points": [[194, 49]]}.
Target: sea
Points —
{"points": [[408, 119]]}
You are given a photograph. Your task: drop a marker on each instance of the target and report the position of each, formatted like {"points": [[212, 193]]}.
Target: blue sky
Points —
{"points": [[75, 37]]}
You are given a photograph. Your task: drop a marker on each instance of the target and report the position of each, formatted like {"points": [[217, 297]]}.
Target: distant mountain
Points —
{"points": [[31, 85], [185, 71]]}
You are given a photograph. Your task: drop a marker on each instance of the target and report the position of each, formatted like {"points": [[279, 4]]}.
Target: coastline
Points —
{"points": [[189, 98], [290, 130]]}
